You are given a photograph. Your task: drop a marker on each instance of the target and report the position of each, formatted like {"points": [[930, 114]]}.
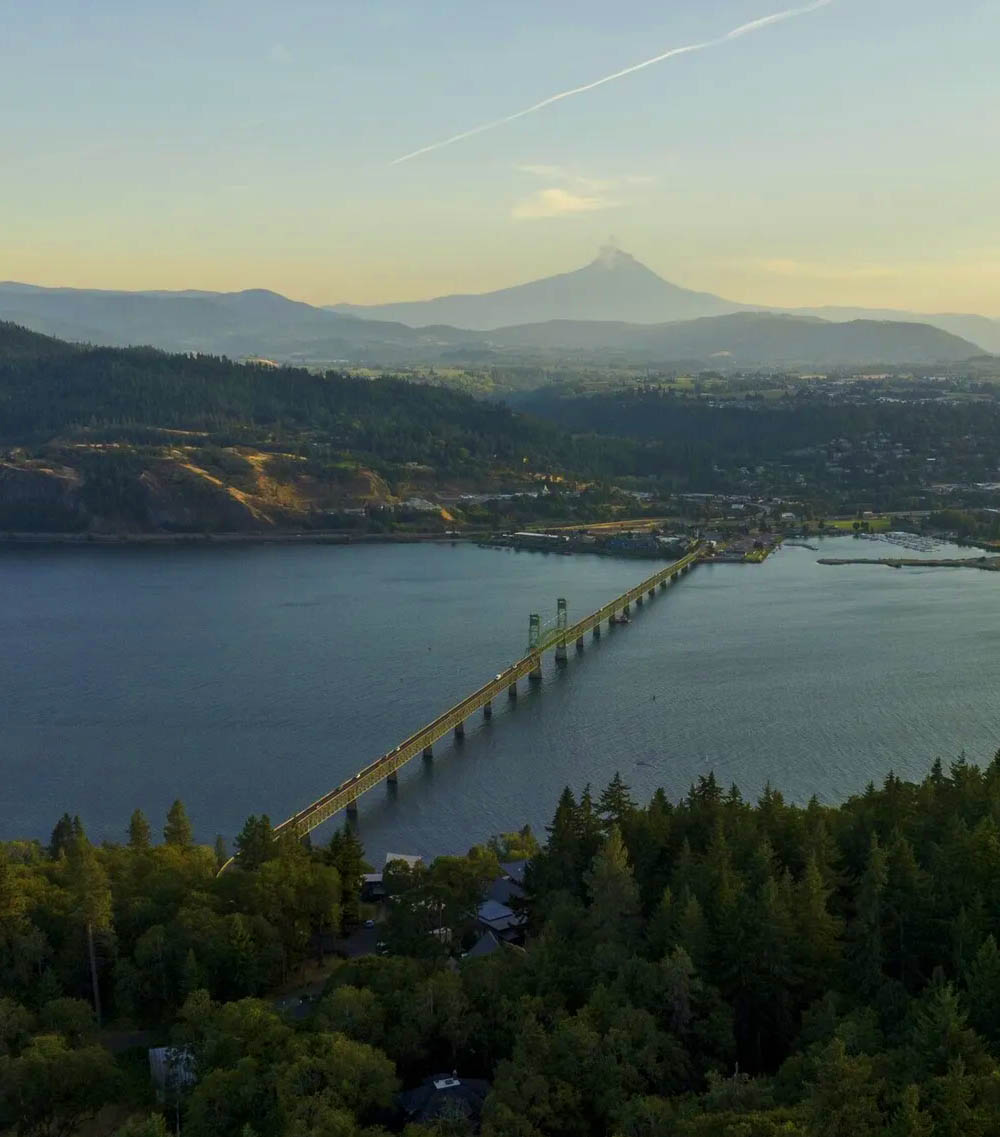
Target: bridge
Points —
{"points": [[559, 635]]}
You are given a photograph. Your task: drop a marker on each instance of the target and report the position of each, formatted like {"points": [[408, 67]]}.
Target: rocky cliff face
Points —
{"points": [[174, 491], [35, 496]]}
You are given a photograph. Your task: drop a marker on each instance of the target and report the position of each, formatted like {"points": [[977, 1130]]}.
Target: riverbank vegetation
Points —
{"points": [[706, 967]]}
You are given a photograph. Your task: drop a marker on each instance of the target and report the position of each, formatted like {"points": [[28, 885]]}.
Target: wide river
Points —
{"points": [[253, 679]]}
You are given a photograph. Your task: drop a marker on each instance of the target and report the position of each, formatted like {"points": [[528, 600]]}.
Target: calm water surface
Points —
{"points": [[249, 680]]}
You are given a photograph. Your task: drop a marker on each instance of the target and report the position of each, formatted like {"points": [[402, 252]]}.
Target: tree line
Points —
{"points": [[711, 966]]}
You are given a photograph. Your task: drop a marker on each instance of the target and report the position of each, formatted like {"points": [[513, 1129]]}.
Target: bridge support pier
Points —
{"points": [[639, 600], [512, 691], [627, 609], [597, 630], [562, 621], [579, 643], [488, 710], [535, 675], [428, 753], [352, 810], [663, 586], [460, 729], [392, 780], [652, 593]]}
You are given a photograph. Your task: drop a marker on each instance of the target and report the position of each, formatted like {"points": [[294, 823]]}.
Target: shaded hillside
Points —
{"points": [[748, 338], [977, 329]]}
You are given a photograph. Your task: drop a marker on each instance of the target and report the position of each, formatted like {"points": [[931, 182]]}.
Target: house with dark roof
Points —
{"points": [[487, 944], [503, 890], [445, 1096], [504, 922], [514, 870]]}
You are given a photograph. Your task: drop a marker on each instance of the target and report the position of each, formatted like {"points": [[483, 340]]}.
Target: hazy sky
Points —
{"points": [[848, 155]]}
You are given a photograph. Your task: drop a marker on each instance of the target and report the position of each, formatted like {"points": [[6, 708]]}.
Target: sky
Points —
{"points": [[846, 155]]}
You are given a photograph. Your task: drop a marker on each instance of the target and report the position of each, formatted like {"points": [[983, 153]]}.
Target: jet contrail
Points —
{"points": [[736, 33]]}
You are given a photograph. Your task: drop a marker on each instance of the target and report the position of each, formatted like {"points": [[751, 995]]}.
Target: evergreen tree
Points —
{"points": [[255, 842], [952, 1106], [940, 1035], [615, 804], [868, 951], [590, 832], [982, 985], [661, 934], [909, 1119], [612, 891], [692, 931], [818, 931], [178, 831], [91, 893], [555, 867], [62, 836], [904, 901], [347, 855], [139, 833], [845, 1097]]}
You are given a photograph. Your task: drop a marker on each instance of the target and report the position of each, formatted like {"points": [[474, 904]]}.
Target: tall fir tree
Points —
{"points": [[139, 833], [347, 855], [91, 893], [867, 931], [612, 891], [62, 837], [615, 804], [255, 842], [178, 831]]}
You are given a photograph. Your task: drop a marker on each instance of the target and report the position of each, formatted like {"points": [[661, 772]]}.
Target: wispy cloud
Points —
{"points": [[687, 49], [579, 193], [555, 202], [544, 171]]}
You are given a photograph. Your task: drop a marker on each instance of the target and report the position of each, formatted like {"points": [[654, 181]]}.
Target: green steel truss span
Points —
{"points": [[556, 636]]}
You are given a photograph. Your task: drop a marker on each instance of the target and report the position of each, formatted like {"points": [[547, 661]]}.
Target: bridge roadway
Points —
{"points": [[384, 769]]}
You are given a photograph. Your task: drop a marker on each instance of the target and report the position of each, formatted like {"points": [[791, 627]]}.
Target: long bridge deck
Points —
{"points": [[384, 769]]}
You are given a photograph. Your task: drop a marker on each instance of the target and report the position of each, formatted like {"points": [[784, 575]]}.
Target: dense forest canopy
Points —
{"points": [[696, 968], [48, 389]]}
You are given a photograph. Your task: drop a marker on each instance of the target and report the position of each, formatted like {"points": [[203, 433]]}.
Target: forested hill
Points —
{"points": [[709, 967], [139, 438], [49, 387]]}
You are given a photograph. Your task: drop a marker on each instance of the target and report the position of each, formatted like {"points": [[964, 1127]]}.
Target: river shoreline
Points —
{"points": [[118, 540]]}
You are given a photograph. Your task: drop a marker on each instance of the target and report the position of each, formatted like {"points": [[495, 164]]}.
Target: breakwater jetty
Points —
{"points": [[989, 564]]}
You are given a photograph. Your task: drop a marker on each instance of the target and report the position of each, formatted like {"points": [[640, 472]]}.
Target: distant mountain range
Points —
{"points": [[612, 309], [615, 286]]}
